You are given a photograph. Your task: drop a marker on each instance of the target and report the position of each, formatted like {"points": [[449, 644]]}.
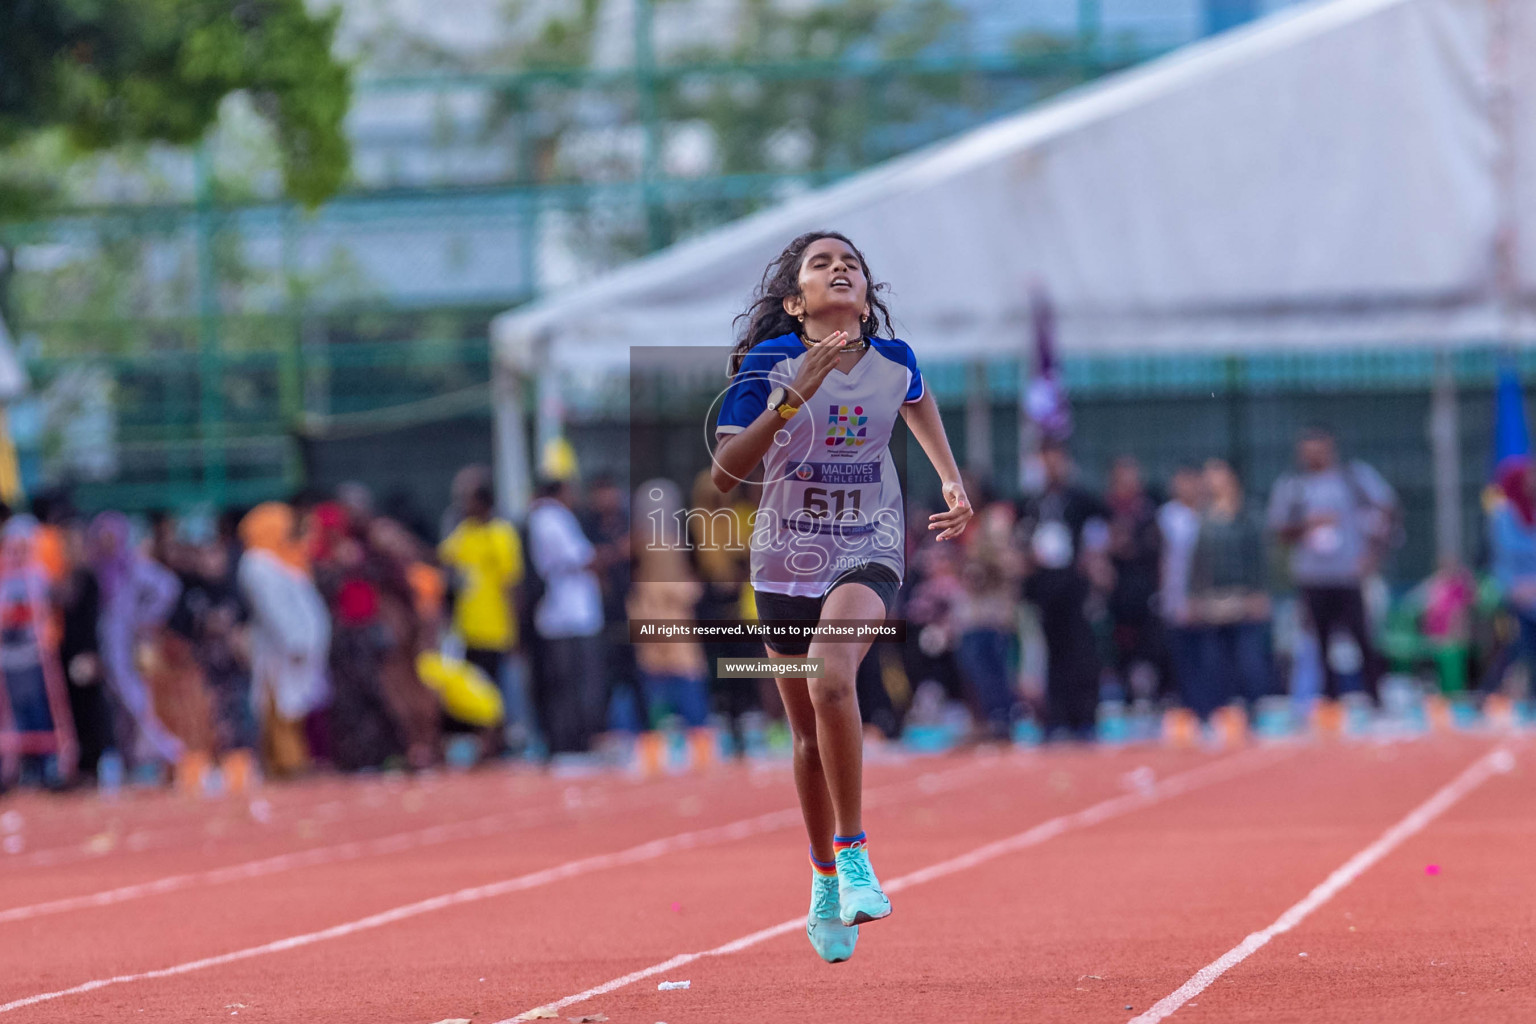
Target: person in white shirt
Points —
{"points": [[1337, 519], [572, 692], [1179, 520]]}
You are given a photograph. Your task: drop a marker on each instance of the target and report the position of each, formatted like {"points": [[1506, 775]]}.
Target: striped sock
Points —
{"points": [[821, 867], [841, 843]]}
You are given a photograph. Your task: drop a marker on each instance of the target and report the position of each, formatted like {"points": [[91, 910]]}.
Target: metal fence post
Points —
{"points": [[1445, 445], [1090, 22], [210, 361], [656, 233]]}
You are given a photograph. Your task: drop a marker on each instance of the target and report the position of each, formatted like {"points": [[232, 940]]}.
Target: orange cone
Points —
{"points": [[239, 771], [1438, 710], [192, 772], [1181, 728], [1328, 717], [1500, 711], [1231, 725], [651, 753], [701, 747]]}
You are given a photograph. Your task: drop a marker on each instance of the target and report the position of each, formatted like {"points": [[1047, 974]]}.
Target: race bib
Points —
{"points": [[830, 495]]}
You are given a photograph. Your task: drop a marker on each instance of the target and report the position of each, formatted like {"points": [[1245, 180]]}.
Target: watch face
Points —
{"points": [[776, 397]]}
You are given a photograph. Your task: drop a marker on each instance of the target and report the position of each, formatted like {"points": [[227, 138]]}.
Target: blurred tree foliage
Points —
{"points": [[109, 72], [84, 76], [829, 122], [772, 89]]}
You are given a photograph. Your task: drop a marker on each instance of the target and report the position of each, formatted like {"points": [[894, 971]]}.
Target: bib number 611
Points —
{"points": [[819, 501]]}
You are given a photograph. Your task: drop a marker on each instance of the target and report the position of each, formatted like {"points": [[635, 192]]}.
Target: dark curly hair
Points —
{"points": [[765, 317]]}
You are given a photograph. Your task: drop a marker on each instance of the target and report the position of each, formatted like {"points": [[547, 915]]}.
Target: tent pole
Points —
{"points": [[549, 426], [978, 422], [514, 489], [1445, 446]]}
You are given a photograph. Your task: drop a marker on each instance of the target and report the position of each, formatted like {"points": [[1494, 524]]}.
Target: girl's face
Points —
{"points": [[831, 281]]}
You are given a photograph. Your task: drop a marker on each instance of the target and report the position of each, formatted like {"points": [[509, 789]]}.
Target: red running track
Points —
{"points": [[1078, 885]]}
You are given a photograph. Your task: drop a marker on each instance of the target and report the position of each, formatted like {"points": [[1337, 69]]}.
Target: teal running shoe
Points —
{"points": [[832, 940], [860, 899]]}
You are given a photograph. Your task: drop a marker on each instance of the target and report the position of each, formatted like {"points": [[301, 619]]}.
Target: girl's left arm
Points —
{"points": [[923, 420]]}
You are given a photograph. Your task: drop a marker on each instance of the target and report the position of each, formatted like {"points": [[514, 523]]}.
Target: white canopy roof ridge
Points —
{"points": [[1327, 176]]}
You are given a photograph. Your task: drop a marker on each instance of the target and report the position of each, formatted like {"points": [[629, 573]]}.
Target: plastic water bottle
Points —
{"points": [[1525, 713], [1464, 712], [110, 773], [1144, 723], [1274, 717], [1113, 728], [676, 743], [725, 743], [754, 734], [462, 752], [1027, 732], [1398, 695], [1358, 716]]}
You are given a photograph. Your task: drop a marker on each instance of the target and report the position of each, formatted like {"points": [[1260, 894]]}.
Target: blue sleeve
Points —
{"points": [[747, 396], [916, 387], [1500, 537]]}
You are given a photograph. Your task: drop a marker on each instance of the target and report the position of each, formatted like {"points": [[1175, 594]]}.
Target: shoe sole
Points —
{"points": [[824, 960], [863, 918]]}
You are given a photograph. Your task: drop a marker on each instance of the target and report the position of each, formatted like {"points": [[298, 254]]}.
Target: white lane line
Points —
{"points": [[338, 853], [141, 837], [1114, 807], [1493, 763], [926, 784], [478, 828]]}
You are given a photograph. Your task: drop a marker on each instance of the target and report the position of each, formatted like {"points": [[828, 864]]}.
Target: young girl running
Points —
{"points": [[813, 398]]}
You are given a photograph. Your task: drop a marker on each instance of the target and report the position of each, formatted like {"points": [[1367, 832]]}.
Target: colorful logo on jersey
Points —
{"points": [[805, 471], [846, 426]]}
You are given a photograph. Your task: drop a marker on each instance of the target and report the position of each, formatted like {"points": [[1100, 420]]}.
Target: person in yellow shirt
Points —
{"points": [[485, 557]]}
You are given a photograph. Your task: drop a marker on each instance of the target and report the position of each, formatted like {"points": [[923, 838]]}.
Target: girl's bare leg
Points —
{"points": [[810, 780], [839, 734]]}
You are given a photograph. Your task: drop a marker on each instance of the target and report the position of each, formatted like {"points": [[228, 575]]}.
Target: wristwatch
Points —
{"points": [[776, 403]]}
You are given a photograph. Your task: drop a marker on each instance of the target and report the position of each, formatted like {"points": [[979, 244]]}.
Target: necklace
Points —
{"points": [[857, 345]]}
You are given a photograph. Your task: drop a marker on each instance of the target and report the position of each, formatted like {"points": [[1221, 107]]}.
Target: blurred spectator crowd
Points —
{"points": [[323, 633]]}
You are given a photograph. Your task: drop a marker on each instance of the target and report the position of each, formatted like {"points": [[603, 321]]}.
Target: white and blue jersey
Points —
{"points": [[831, 497]]}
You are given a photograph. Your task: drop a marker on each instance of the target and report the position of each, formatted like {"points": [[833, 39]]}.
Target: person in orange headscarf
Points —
{"points": [[290, 633]]}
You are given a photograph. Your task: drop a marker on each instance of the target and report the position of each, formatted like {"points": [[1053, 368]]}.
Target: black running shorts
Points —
{"points": [[771, 608]]}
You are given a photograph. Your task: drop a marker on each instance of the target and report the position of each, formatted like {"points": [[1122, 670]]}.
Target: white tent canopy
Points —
{"points": [[1330, 175], [1337, 174]]}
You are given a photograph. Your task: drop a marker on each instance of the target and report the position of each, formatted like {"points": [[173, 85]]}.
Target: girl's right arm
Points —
{"points": [[738, 454]]}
